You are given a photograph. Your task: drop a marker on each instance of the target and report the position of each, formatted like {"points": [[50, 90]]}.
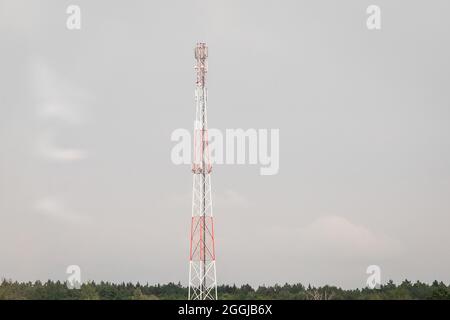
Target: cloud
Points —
{"points": [[337, 238], [60, 111], [59, 102], [50, 87], [230, 198], [47, 148], [55, 208]]}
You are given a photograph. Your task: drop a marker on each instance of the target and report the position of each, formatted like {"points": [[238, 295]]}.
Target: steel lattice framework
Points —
{"points": [[202, 265]]}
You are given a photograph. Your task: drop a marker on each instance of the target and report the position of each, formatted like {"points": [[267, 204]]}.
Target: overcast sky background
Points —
{"points": [[364, 139]]}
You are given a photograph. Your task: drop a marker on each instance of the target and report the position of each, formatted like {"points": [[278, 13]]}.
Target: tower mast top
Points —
{"points": [[201, 55]]}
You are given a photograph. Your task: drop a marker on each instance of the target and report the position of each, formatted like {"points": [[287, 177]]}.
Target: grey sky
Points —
{"points": [[364, 139]]}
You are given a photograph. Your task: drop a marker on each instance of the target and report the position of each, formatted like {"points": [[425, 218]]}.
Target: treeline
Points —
{"points": [[56, 290]]}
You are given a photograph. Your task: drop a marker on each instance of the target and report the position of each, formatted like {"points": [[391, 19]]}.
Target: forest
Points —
{"points": [[56, 290]]}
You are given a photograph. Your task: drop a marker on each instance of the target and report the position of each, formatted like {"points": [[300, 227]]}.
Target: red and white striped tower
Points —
{"points": [[202, 265]]}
